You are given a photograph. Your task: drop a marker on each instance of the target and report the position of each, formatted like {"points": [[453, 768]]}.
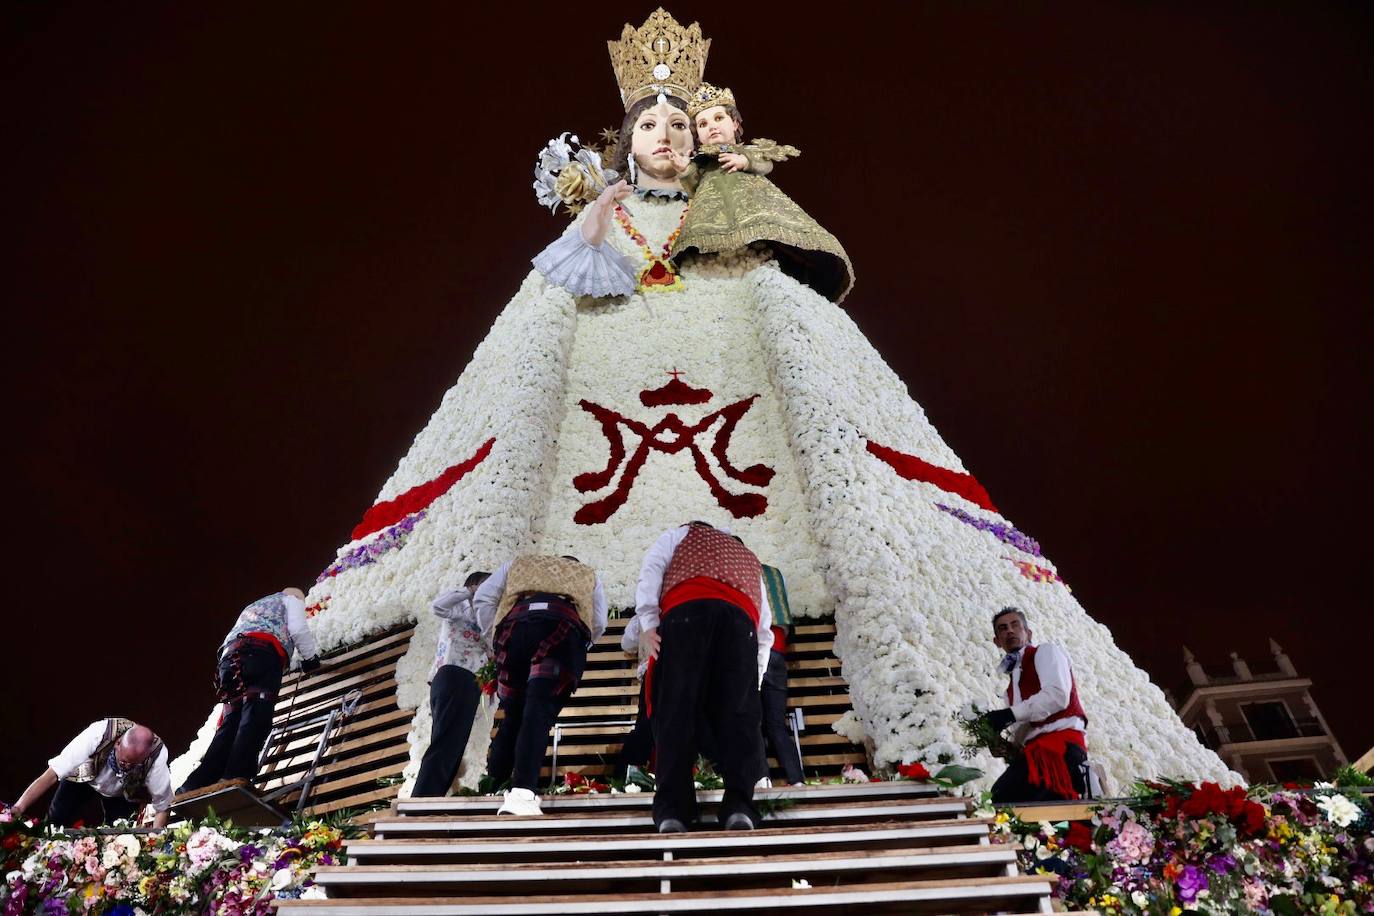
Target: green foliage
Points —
{"points": [[1349, 776]]}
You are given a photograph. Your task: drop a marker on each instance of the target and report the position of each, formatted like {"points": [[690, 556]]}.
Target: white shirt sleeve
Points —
{"points": [[650, 587], [78, 750], [765, 629], [487, 599], [299, 627], [160, 782], [452, 605], [600, 610], [629, 640], [1052, 667]]}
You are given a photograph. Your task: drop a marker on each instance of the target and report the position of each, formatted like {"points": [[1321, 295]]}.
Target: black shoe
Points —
{"points": [[671, 825], [739, 821]]}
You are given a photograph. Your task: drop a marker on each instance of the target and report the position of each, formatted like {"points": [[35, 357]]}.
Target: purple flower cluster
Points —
{"points": [[1004, 532], [367, 554]]}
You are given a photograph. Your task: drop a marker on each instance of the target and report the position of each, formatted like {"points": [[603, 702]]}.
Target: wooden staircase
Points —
{"points": [[597, 717], [362, 765], [893, 847]]}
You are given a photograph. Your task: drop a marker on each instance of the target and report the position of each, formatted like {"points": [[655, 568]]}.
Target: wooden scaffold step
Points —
{"points": [[959, 896]]}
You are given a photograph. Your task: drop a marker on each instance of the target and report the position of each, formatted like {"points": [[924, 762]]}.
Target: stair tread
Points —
{"points": [[763, 836], [945, 889], [828, 861]]}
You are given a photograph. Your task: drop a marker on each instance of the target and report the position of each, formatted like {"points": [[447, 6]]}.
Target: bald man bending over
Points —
{"points": [[119, 761]]}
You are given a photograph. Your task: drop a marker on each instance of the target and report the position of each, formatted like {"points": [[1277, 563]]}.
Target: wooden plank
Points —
{"points": [[352, 762], [365, 709], [818, 646], [812, 664], [355, 801], [339, 687], [328, 676], [370, 777], [885, 834], [1066, 811], [819, 699], [352, 727], [391, 736], [539, 878], [370, 693], [356, 650], [996, 893]]}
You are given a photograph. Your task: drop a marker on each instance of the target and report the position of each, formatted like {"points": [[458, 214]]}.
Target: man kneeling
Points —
{"points": [[1049, 720]]}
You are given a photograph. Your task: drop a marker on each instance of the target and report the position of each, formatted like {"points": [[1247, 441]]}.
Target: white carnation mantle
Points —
{"points": [[912, 587]]}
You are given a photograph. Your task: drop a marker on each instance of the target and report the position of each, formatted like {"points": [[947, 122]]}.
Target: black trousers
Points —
{"points": [[639, 743], [72, 798], [773, 695], [517, 751], [243, 730], [707, 665], [1014, 785], [453, 698]]}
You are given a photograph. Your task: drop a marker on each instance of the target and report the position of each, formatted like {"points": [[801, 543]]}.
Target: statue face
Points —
{"points": [[714, 125], [658, 130]]}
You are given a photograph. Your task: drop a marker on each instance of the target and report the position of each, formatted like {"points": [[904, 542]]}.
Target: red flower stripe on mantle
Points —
{"points": [[913, 468], [418, 497]]}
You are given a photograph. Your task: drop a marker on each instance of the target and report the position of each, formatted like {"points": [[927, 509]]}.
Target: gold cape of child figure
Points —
{"points": [[733, 205]]}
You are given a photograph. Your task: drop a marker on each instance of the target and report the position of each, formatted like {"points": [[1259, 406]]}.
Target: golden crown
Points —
{"points": [[659, 56], [708, 96]]}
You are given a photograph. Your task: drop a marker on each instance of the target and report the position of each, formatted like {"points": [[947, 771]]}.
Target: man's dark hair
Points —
{"points": [[1009, 610], [476, 579]]}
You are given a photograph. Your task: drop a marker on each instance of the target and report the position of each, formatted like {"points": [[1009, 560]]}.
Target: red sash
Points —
{"points": [[1045, 765]]}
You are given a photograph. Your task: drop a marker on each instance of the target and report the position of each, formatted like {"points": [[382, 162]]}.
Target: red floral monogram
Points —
{"points": [[671, 435]]}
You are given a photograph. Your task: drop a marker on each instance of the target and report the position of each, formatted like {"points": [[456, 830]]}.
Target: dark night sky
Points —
{"points": [[1121, 253]]}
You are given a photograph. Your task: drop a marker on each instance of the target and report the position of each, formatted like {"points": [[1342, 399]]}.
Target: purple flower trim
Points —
{"points": [[1004, 532], [367, 554]]}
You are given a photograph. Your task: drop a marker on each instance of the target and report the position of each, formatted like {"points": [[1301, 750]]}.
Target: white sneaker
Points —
{"points": [[522, 803], [764, 783]]}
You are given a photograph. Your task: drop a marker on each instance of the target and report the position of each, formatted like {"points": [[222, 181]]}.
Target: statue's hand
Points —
{"points": [[680, 161], [734, 162], [598, 221]]}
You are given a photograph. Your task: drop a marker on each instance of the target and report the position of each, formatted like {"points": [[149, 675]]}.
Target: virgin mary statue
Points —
{"points": [[634, 383]]}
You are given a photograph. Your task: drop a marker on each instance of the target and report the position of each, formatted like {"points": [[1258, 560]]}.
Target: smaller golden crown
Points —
{"points": [[708, 96], [659, 56]]}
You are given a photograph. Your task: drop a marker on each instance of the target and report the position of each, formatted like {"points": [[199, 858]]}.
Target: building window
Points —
{"points": [[1269, 721], [1301, 769]]}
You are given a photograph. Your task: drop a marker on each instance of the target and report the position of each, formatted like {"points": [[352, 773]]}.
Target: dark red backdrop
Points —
{"points": [[1120, 254]]}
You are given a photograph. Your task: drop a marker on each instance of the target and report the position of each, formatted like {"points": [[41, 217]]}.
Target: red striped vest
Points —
{"points": [[1030, 686]]}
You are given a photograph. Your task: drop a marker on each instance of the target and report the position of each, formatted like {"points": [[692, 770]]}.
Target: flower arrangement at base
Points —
{"points": [[1179, 848], [577, 784], [211, 867]]}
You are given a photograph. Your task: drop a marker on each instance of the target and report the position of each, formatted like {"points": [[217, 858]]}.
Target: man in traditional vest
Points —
{"points": [[453, 689], [1042, 700], [117, 760], [704, 614], [773, 694], [541, 615], [252, 658]]}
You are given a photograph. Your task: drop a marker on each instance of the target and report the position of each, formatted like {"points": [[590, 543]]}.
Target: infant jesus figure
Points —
{"points": [[734, 206]]}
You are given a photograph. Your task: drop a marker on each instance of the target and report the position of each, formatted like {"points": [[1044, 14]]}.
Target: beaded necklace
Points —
{"points": [[660, 275]]}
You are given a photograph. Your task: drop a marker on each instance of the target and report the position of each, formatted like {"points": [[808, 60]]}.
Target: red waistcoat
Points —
{"points": [[1030, 686], [706, 553]]}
